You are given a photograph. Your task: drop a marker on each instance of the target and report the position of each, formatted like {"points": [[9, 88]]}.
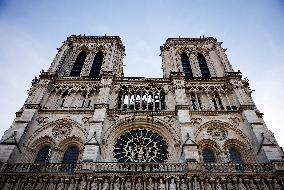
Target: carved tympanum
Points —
{"points": [[61, 130], [217, 132]]}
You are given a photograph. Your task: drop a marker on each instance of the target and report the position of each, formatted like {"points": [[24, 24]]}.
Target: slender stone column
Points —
{"points": [[228, 100], [210, 101]]}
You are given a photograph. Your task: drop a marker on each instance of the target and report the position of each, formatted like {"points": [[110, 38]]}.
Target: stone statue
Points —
{"points": [[230, 186], [61, 185], [105, 185], [276, 185], [50, 185], [151, 185], [207, 185], [116, 185], [128, 184], [94, 185], [218, 185], [172, 185], [83, 183], [8, 185], [139, 185], [183, 185], [161, 186], [29, 185], [39, 185], [263, 185], [241, 185], [72, 184], [252, 185], [18, 185], [196, 185]]}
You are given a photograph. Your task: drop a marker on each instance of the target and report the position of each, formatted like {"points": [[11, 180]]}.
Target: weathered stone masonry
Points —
{"points": [[85, 125]]}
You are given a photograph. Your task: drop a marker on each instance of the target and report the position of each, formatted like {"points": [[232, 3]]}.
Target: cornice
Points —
{"points": [[67, 111]]}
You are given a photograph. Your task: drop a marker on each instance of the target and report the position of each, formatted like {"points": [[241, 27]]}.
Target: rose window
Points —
{"points": [[140, 145]]}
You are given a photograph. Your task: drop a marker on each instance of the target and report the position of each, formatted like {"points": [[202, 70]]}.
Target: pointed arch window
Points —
{"points": [[43, 155], [203, 65], [235, 156], [186, 65], [71, 155], [208, 155], [97, 65], [78, 65]]}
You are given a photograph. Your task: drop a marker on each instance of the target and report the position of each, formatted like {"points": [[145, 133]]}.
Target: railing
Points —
{"points": [[114, 167]]}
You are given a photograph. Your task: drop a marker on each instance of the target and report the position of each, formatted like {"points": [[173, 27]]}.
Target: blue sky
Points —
{"points": [[30, 32]]}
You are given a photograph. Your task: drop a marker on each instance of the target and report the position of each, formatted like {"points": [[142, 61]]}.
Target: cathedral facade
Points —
{"points": [[86, 126]]}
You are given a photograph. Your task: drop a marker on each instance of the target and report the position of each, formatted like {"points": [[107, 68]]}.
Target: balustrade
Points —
{"points": [[109, 167], [208, 101]]}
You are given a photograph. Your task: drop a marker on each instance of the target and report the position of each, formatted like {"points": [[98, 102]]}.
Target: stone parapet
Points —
{"points": [[172, 176]]}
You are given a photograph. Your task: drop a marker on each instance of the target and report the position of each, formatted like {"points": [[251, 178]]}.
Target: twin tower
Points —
{"points": [[83, 119]]}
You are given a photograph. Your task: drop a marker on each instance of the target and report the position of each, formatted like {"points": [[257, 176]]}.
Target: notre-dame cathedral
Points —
{"points": [[86, 126]]}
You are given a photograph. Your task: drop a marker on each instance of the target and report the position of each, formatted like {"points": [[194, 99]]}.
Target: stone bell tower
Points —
{"points": [[79, 78], [206, 87]]}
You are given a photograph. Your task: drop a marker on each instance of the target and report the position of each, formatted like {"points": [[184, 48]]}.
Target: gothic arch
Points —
{"points": [[223, 125], [225, 135], [212, 145], [41, 142], [67, 128], [121, 126], [244, 150]]}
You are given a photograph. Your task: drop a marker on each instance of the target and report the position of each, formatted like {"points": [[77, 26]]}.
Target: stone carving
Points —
{"points": [[207, 100], [87, 120], [105, 185], [116, 185], [162, 185], [207, 185], [114, 117], [8, 185], [39, 185], [140, 145], [263, 185], [235, 121], [252, 186], [139, 185], [218, 185], [183, 185], [60, 131], [128, 185], [72, 184], [61, 185], [172, 185], [196, 121], [217, 133], [151, 185], [170, 119], [241, 185], [83, 183], [230, 186], [29, 184], [276, 185], [51, 185], [19, 185], [42, 120], [196, 184]]}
